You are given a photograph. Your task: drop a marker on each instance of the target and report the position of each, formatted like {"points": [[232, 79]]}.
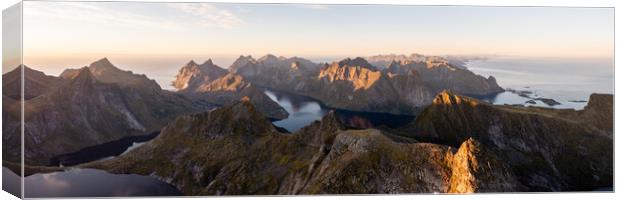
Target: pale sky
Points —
{"points": [[73, 34], [69, 28]]}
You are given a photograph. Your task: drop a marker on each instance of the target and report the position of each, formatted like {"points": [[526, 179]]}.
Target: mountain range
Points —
{"points": [[405, 87], [217, 136], [85, 107], [235, 150]]}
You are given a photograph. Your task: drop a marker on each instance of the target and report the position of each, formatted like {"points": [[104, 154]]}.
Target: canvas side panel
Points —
{"points": [[12, 100]]}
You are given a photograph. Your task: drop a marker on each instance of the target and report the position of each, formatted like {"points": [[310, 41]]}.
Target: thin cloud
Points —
{"points": [[92, 13], [195, 14], [209, 15]]}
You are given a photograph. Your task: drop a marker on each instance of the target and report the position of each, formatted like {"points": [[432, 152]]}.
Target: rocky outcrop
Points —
{"points": [[362, 76], [208, 82], [361, 88], [476, 170], [83, 108], [191, 76], [598, 112], [547, 149], [441, 75], [233, 150]]}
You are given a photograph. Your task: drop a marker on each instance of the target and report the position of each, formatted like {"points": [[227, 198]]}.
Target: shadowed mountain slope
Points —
{"points": [[233, 150], [548, 149], [89, 106]]}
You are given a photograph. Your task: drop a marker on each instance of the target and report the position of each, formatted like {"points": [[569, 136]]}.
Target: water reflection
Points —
{"points": [[11, 182], [92, 183], [303, 111]]}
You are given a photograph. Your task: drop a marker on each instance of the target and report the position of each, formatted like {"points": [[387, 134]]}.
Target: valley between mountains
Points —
{"points": [[217, 136]]}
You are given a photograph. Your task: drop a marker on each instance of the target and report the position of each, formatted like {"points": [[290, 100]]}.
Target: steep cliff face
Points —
{"points": [[233, 150], [599, 113], [441, 75], [191, 76], [360, 76], [84, 109], [474, 169], [210, 83], [357, 85], [548, 149]]}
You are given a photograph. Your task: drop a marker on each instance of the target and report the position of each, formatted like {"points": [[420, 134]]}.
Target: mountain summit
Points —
{"points": [[191, 76], [357, 62], [88, 106], [104, 71], [208, 82]]}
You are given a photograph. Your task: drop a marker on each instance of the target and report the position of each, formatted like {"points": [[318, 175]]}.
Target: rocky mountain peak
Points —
{"points": [[35, 82], [445, 97], [360, 77], [212, 69], [104, 71], [357, 62], [193, 75], [28, 72], [83, 78], [241, 117], [191, 63], [268, 57], [208, 62], [322, 131], [241, 62], [102, 64], [331, 119]]}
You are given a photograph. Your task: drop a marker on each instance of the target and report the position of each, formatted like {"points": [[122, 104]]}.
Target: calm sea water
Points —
{"points": [[562, 79]]}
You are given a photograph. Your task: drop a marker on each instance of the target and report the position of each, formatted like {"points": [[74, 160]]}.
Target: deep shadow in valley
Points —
{"points": [[108, 149]]}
